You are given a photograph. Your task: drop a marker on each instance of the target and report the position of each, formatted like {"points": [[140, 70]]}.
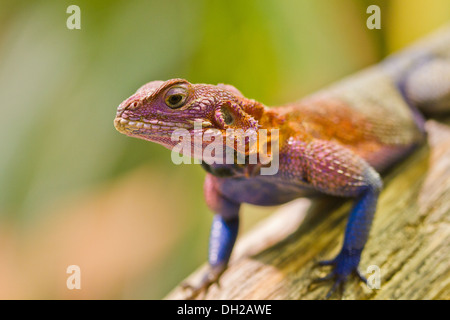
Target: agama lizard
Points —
{"points": [[336, 142]]}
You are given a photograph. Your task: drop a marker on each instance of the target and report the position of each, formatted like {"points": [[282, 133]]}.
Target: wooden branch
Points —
{"points": [[409, 241]]}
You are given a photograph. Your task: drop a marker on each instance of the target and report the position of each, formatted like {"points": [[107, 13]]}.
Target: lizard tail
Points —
{"points": [[422, 75], [427, 86]]}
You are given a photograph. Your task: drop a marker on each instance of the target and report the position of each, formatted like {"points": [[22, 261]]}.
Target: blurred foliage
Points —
{"points": [[74, 191]]}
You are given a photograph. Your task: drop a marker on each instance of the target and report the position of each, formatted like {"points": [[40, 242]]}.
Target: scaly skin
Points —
{"points": [[334, 142]]}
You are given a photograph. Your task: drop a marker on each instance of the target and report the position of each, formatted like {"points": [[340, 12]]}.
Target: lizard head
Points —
{"points": [[159, 108]]}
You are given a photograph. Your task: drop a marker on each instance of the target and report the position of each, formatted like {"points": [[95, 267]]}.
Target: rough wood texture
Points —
{"points": [[409, 241]]}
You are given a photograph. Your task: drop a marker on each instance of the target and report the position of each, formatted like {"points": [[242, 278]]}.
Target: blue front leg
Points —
{"points": [[221, 240], [356, 235], [223, 235]]}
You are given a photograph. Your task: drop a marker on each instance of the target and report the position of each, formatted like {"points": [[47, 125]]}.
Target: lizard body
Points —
{"points": [[336, 142]]}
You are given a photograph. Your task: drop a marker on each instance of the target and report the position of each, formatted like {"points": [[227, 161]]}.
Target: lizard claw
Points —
{"points": [[338, 283], [325, 263], [329, 276], [211, 277], [345, 264], [193, 291]]}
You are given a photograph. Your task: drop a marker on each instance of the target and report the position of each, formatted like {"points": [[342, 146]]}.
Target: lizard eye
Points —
{"points": [[176, 97]]}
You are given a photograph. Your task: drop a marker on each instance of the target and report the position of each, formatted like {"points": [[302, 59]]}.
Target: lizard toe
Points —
{"points": [[343, 265]]}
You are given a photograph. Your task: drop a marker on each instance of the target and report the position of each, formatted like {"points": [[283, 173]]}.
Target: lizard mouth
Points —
{"points": [[151, 126], [122, 124]]}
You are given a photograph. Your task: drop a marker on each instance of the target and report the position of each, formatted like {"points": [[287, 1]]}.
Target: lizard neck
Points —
{"points": [[268, 118]]}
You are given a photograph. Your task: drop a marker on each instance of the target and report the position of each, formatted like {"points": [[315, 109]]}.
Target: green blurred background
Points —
{"points": [[75, 191]]}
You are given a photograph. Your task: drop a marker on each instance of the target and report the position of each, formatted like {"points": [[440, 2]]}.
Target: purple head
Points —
{"points": [[159, 108]]}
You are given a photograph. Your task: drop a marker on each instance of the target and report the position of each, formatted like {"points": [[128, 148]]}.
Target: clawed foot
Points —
{"points": [[345, 264], [211, 277]]}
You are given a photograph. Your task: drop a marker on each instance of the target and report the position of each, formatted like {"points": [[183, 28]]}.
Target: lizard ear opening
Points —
{"points": [[232, 115], [226, 115], [241, 128]]}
